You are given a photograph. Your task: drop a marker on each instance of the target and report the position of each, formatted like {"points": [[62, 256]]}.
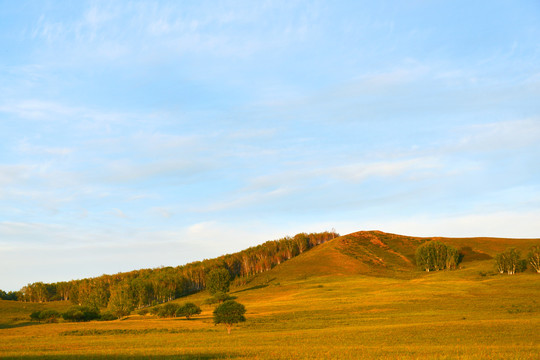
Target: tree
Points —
{"points": [[8, 295], [435, 255], [229, 313], [188, 310], [218, 280], [167, 310], [510, 262], [534, 258], [120, 302]]}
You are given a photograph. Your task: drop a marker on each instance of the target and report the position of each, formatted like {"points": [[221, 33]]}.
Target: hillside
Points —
{"points": [[356, 296], [376, 253]]}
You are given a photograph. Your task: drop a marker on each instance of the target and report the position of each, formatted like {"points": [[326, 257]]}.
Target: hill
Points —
{"points": [[376, 253], [357, 296]]}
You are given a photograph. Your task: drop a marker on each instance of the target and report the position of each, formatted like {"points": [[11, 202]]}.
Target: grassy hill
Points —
{"points": [[357, 296], [376, 253]]}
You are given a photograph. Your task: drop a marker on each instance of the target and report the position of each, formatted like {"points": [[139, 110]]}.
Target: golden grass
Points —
{"points": [[317, 306]]}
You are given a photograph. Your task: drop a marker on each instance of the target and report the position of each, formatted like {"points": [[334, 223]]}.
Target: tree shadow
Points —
{"points": [[18, 325], [251, 288]]}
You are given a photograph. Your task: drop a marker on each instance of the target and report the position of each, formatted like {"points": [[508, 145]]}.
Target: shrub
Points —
{"points": [[155, 310], [36, 316], [49, 316], [143, 311], [81, 313], [168, 310], [188, 309], [108, 316], [229, 313]]}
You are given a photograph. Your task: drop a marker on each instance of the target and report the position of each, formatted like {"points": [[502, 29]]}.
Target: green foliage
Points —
{"points": [[8, 295], [218, 280], [81, 313], [36, 316], [143, 312], [229, 313], [435, 255], [108, 316], [534, 258], [218, 297], [188, 310], [147, 287], [510, 262], [121, 303], [49, 316], [166, 311]]}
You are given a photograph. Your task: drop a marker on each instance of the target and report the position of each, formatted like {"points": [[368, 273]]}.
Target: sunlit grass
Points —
{"points": [[443, 315]]}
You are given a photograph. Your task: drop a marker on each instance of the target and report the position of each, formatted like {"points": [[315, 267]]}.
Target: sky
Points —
{"points": [[139, 134]]}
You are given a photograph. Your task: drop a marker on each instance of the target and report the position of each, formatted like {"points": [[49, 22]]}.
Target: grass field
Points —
{"points": [[294, 312]]}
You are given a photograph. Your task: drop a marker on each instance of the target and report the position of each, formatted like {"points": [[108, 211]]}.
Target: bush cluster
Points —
{"points": [[435, 255], [74, 314], [510, 262], [49, 316], [175, 310]]}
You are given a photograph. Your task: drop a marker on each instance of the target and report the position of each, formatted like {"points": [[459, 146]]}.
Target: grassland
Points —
{"points": [[320, 306]]}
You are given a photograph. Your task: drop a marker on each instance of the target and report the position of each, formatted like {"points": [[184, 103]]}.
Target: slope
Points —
{"points": [[376, 253]]}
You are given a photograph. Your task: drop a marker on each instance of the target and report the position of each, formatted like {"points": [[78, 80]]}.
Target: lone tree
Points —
{"points": [[218, 280], [229, 313], [435, 255], [534, 258], [188, 310], [510, 262]]}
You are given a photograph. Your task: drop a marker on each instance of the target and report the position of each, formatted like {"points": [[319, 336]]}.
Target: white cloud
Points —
{"points": [[15, 174], [362, 171], [511, 134], [513, 224], [25, 147]]}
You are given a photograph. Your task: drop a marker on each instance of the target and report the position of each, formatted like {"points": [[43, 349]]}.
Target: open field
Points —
{"points": [[295, 313]]}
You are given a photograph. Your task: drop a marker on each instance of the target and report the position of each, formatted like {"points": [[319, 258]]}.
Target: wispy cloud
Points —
{"points": [[165, 28]]}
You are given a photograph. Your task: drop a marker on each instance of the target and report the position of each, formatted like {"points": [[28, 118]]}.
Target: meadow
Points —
{"points": [[313, 309]]}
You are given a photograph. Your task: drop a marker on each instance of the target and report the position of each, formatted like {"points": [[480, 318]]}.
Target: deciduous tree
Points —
{"points": [[435, 255], [229, 313], [188, 310], [218, 280], [534, 258]]}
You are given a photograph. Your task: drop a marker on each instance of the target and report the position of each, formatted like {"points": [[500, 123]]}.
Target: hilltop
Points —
{"points": [[376, 253]]}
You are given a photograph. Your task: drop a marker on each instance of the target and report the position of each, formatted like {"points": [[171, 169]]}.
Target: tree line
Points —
{"points": [[510, 261], [147, 287]]}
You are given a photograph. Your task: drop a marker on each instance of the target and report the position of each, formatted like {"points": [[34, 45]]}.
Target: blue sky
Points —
{"points": [[141, 134]]}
